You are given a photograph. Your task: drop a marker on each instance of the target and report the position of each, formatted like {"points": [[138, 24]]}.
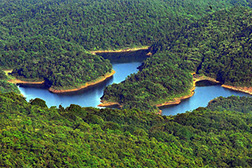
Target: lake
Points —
{"points": [[125, 65], [201, 97], [85, 98]]}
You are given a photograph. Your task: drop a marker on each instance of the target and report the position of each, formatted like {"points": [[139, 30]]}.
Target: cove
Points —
{"points": [[123, 63], [204, 92]]}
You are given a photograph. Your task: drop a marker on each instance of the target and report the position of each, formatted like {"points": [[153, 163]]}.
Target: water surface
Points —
{"points": [[86, 98], [203, 94], [124, 64]]}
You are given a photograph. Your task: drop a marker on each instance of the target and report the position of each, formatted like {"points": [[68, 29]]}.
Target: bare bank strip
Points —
{"points": [[51, 89], [120, 50], [18, 81], [178, 100], [247, 90], [87, 84]]}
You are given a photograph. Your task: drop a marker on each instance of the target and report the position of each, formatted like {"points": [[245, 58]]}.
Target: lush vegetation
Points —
{"points": [[159, 80], [5, 86], [38, 35], [48, 40], [58, 62], [34, 135], [104, 24], [217, 45], [233, 103]]}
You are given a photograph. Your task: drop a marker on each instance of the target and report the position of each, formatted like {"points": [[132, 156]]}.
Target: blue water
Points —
{"points": [[203, 94], [91, 96], [86, 98]]}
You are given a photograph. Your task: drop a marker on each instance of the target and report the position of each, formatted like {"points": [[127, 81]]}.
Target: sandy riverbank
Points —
{"points": [[18, 81], [51, 89], [120, 50], [175, 101], [239, 89], [109, 104], [88, 84], [178, 100]]}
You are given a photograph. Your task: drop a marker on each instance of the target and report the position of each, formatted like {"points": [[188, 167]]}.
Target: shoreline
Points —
{"points": [[247, 90], [18, 81], [178, 100], [109, 104], [86, 85], [175, 101], [120, 50]]}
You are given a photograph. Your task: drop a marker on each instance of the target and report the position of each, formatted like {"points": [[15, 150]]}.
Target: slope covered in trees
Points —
{"points": [[233, 103], [58, 62], [34, 135], [34, 31], [5, 86], [104, 24], [217, 45]]}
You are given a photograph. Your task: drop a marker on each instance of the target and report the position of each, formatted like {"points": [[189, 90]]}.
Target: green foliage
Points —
{"points": [[158, 79], [232, 103], [39, 102], [2, 75], [217, 45], [6, 87], [46, 40], [32, 135], [58, 62]]}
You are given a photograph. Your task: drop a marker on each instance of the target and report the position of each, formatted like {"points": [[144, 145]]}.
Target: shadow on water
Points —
{"points": [[125, 57], [123, 63], [206, 83]]}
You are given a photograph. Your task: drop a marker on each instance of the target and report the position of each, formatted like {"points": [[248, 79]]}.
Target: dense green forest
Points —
{"points": [[36, 33], [104, 24], [232, 103], [5, 86], [58, 62], [217, 45], [33, 135], [51, 40]]}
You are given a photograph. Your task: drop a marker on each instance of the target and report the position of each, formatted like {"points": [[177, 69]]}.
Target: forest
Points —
{"points": [[52, 41], [217, 45], [33, 135]]}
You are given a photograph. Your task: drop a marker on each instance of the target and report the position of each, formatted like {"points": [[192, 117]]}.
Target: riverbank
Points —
{"points": [[121, 50], [51, 89], [175, 101], [86, 85], [110, 104], [247, 90], [14, 80], [178, 100]]}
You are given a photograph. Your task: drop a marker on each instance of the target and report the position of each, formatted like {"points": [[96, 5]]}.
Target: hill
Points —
{"points": [[217, 45], [34, 135]]}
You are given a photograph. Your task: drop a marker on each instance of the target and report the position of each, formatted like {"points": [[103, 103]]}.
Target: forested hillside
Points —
{"points": [[104, 24], [217, 45], [5, 86], [51, 40], [37, 36], [33, 135], [233, 103]]}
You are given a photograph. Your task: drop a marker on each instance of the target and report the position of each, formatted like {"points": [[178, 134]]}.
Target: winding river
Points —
{"points": [[124, 67]]}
